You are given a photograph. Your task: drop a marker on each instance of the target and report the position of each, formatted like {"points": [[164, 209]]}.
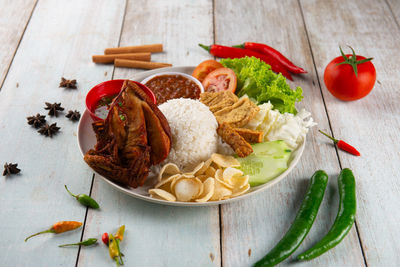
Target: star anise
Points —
{"points": [[10, 168], [53, 108], [36, 121], [68, 83], [49, 130], [73, 115]]}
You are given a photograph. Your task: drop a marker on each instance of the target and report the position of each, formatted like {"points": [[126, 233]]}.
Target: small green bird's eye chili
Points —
{"points": [[302, 223], [87, 242], [344, 219], [84, 200]]}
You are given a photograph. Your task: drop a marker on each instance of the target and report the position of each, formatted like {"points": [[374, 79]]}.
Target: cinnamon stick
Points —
{"points": [[126, 63], [154, 48], [104, 59]]}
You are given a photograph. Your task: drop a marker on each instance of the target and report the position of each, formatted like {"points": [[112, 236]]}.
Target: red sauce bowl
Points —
{"points": [[109, 88]]}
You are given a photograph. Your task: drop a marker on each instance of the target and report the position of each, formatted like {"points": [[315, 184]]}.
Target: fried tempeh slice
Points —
{"points": [[250, 135], [218, 100], [241, 147], [239, 114]]}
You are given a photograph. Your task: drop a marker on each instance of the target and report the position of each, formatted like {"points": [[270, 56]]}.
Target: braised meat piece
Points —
{"points": [[134, 136]]}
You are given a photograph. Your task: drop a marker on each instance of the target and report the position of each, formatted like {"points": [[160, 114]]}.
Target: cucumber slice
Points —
{"points": [[268, 160]]}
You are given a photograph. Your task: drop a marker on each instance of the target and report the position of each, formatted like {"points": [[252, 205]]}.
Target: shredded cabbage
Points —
{"points": [[256, 79], [276, 126]]}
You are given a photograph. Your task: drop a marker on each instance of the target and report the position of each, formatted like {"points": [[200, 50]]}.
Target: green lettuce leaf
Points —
{"points": [[256, 79]]}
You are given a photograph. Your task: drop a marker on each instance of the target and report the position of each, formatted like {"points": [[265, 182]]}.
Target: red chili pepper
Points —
{"points": [[343, 145], [233, 52], [105, 238], [271, 52]]}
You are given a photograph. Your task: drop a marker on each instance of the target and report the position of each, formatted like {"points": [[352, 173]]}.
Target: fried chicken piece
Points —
{"points": [[250, 135], [134, 135], [158, 130], [158, 139], [241, 147]]}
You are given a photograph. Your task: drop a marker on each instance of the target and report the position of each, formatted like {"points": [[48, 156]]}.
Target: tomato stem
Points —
{"points": [[352, 60]]}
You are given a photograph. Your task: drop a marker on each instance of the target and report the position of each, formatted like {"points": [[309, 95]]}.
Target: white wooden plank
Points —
{"points": [[158, 235], [14, 16], [394, 5], [252, 227], [371, 124], [58, 42]]}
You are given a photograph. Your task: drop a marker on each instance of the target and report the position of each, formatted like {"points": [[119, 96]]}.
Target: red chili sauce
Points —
{"points": [[167, 87]]}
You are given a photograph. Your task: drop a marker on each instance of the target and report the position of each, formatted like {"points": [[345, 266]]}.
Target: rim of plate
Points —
{"points": [[295, 157]]}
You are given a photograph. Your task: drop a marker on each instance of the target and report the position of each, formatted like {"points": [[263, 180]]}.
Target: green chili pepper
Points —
{"points": [[85, 200], [302, 223], [87, 242], [344, 219]]}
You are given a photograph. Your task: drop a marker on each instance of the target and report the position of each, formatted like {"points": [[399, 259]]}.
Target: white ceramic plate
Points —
{"points": [[87, 140]]}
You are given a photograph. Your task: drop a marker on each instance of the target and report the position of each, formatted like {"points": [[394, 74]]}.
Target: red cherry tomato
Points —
{"points": [[221, 79], [105, 239], [342, 81], [204, 68]]}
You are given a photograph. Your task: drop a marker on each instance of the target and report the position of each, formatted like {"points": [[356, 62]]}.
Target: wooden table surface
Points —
{"points": [[44, 40]]}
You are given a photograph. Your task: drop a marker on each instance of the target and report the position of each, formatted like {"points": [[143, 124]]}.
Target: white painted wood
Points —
{"points": [[258, 223], [59, 41], [158, 235], [394, 5], [14, 16], [372, 123]]}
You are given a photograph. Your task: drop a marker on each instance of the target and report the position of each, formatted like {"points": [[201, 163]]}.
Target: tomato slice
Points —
{"points": [[204, 68], [221, 79]]}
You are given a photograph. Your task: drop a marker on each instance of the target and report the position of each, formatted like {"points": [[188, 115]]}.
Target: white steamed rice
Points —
{"points": [[193, 127]]}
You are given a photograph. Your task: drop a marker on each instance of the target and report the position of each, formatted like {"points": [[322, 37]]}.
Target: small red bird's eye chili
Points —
{"points": [[271, 52], [233, 52], [105, 238], [342, 145], [59, 227]]}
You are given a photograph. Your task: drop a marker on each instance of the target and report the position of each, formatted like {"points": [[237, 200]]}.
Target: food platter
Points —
{"points": [[86, 140]]}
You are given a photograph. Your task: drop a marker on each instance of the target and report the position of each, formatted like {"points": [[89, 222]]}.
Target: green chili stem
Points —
{"points": [[238, 46], [119, 251], [75, 196], [208, 48], [42, 232], [330, 137]]}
